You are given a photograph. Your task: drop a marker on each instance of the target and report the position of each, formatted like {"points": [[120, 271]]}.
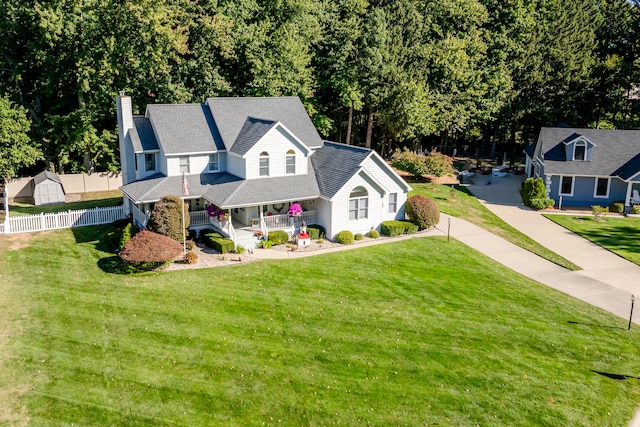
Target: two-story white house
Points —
{"points": [[252, 158]]}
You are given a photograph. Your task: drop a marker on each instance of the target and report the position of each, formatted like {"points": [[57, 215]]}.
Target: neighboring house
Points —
{"points": [[252, 158], [586, 167], [47, 189]]}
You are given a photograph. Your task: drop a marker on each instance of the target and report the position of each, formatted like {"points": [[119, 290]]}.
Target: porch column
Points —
{"points": [[628, 196]]}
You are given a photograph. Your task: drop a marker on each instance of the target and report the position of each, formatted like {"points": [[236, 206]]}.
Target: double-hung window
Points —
{"points": [[393, 202], [184, 164], [358, 204], [566, 186], [602, 187], [214, 163], [149, 162], [264, 164], [291, 162]]}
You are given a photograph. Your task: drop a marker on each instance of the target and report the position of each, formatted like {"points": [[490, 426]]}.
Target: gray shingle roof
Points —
{"points": [[45, 175], [616, 152], [184, 128], [251, 132], [225, 190], [335, 164], [230, 115], [142, 136], [158, 185]]}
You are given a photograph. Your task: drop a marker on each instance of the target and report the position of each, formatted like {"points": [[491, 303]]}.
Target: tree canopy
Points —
{"points": [[378, 73]]}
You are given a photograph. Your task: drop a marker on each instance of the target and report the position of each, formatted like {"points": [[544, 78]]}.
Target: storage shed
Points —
{"points": [[47, 189]]}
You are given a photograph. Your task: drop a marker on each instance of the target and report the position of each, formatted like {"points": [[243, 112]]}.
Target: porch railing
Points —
{"points": [[199, 218], [281, 222]]}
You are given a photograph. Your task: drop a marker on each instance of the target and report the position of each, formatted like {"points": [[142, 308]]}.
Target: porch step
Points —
{"points": [[246, 239]]}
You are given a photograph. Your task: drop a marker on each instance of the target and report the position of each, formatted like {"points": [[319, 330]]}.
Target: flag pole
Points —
{"points": [[185, 192]]}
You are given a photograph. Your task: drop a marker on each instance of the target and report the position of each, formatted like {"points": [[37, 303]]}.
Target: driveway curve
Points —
{"points": [[606, 279]]}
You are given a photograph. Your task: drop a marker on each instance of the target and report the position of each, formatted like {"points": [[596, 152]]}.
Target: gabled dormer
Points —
{"points": [[578, 148], [266, 148]]}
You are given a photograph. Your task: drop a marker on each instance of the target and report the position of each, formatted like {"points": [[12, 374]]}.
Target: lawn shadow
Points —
{"points": [[115, 265], [617, 377], [594, 325]]}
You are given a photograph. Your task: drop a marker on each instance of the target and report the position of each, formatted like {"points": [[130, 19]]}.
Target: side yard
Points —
{"points": [[616, 234]]}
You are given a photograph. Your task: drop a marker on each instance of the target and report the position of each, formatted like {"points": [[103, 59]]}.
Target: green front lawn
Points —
{"points": [[459, 202], [616, 234], [417, 332]]}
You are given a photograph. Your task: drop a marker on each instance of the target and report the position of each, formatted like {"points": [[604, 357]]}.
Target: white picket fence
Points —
{"points": [[68, 219]]}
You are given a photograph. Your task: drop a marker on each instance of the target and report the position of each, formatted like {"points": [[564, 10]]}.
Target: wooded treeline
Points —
{"points": [[384, 74]]}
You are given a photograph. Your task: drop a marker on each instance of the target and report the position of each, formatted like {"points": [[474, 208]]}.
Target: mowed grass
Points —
{"points": [[616, 234], [416, 332], [459, 202], [95, 199]]}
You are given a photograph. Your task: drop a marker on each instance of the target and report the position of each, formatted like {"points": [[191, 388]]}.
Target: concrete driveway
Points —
{"points": [[606, 281]]}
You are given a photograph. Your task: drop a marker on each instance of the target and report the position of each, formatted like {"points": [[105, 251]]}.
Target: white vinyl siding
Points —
{"points": [[277, 144]]}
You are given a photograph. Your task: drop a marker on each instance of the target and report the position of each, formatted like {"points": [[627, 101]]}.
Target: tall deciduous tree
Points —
{"points": [[16, 148]]}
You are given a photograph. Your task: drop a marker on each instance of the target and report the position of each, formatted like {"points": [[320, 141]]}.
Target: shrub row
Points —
{"points": [[534, 194], [396, 228], [218, 242], [616, 207]]}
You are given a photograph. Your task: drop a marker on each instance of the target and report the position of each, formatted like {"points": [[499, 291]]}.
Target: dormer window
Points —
{"points": [[264, 164], [291, 162], [580, 151]]}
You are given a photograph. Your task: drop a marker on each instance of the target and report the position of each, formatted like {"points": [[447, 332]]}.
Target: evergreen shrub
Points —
{"points": [[278, 237], [315, 231], [373, 234], [166, 217], [345, 237], [617, 207]]}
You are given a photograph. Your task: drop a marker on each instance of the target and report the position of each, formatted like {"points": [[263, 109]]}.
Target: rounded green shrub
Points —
{"points": [[345, 237], [278, 237], [125, 236], [635, 209], [373, 234], [422, 211], [358, 236], [616, 207]]}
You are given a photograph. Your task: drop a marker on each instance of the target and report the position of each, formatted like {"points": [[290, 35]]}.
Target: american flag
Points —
{"points": [[185, 186]]}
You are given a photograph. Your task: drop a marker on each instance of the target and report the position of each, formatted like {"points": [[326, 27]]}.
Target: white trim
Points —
{"points": [[573, 183], [595, 187], [581, 142]]}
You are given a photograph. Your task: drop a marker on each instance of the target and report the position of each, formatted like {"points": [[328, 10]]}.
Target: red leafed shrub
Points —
{"points": [[148, 250], [422, 211]]}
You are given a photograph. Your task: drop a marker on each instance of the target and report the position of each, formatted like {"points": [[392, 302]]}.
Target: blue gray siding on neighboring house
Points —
{"points": [[584, 189]]}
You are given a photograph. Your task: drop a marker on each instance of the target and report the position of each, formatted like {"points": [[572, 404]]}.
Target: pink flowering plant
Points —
{"points": [[295, 209], [215, 212]]}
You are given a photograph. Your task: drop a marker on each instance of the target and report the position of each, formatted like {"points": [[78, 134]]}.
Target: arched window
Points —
{"points": [[291, 162], [264, 164], [358, 204]]}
